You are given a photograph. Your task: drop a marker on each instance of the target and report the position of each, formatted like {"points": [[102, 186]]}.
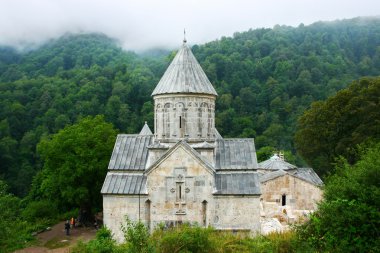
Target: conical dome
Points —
{"points": [[276, 163], [145, 130], [184, 75]]}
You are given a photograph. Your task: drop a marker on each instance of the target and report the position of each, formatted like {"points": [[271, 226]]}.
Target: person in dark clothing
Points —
{"points": [[67, 227]]}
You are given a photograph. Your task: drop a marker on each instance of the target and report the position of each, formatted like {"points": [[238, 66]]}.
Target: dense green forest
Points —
{"points": [[335, 127], [265, 79]]}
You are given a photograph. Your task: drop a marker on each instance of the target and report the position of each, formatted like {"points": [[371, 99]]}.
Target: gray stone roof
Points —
{"points": [[276, 163], [272, 175], [123, 183], [306, 174], [235, 154], [145, 130], [130, 152], [192, 151], [184, 75], [237, 184], [203, 145]]}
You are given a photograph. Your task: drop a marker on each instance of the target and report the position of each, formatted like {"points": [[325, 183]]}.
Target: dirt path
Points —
{"points": [[56, 240]]}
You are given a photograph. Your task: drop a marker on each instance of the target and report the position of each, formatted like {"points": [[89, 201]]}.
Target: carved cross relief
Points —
{"points": [[179, 189]]}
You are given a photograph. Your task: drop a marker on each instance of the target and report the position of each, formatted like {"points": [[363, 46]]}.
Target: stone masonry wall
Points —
{"points": [[180, 190], [116, 207], [300, 195], [237, 213], [184, 116]]}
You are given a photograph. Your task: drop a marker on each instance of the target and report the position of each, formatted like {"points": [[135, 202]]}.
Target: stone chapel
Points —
{"points": [[184, 171]]}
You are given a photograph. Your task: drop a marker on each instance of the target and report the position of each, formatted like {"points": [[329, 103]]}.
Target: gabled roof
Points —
{"points": [[272, 175], [306, 174], [123, 183], [188, 148], [235, 154], [184, 75], [276, 163], [237, 184], [130, 152], [145, 130]]}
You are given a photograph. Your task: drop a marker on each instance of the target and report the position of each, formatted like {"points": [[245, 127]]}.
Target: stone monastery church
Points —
{"points": [[187, 172]]}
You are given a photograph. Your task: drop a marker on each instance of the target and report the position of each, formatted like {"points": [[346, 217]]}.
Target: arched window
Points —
{"points": [[147, 213], [204, 120], [167, 110], [180, 110], [204, 213]]}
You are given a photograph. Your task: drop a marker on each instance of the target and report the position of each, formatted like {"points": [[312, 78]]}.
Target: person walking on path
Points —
{"points": [[67, 227], [72, 222]]}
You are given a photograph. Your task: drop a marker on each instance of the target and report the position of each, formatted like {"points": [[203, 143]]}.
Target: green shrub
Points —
{"points": [[136, 235], [103, 243], [186, 239], [40, 210], [193, 239], [67, 215], [349, 217], [15, 232]]}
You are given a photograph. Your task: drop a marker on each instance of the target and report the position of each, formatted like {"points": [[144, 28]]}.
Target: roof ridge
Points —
{"points": [[171, 150]]}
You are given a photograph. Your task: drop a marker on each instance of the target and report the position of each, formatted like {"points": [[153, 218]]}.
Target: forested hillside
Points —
{"points": [[265, 79], [44, 90]]}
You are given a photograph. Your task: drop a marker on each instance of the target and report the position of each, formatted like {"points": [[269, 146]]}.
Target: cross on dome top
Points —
{"points": [[184, 75]]}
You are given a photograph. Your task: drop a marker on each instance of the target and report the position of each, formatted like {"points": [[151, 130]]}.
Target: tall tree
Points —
{"points": [[336, 126], [75, 163]]}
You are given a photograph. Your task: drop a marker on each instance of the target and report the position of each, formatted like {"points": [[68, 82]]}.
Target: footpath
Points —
{"points": [[56, 240]]}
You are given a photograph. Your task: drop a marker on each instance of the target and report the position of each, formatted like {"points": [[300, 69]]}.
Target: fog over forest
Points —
{"points": [[140, 25]]}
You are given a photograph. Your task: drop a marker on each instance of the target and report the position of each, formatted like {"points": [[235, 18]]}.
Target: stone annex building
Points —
{"points": [[187, 172]]}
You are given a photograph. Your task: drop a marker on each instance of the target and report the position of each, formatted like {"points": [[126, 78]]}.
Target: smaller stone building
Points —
{"points": [[288, 192]]}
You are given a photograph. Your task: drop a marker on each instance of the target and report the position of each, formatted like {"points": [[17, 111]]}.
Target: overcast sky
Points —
{"points": [[143, 24]]}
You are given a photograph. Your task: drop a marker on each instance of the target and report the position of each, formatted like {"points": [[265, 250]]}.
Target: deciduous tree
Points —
{"points": [[75, 163]]}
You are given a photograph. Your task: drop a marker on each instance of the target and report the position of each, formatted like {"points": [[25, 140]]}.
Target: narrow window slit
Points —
{"points": [[283, 200]]}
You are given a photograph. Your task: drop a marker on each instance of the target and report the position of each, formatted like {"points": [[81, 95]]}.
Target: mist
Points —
{"points": [[141, 25]]}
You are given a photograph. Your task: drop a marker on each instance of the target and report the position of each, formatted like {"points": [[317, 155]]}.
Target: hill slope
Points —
{"points": [[265, 79]]}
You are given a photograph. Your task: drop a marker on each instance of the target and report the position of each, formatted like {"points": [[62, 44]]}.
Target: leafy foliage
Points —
{"points": [[15, 232], [187, 238], [265, 79], [349, 217], [336, 126], [103, 243], [75, 164], [44, 90], [136, 235], [39, 210]]}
